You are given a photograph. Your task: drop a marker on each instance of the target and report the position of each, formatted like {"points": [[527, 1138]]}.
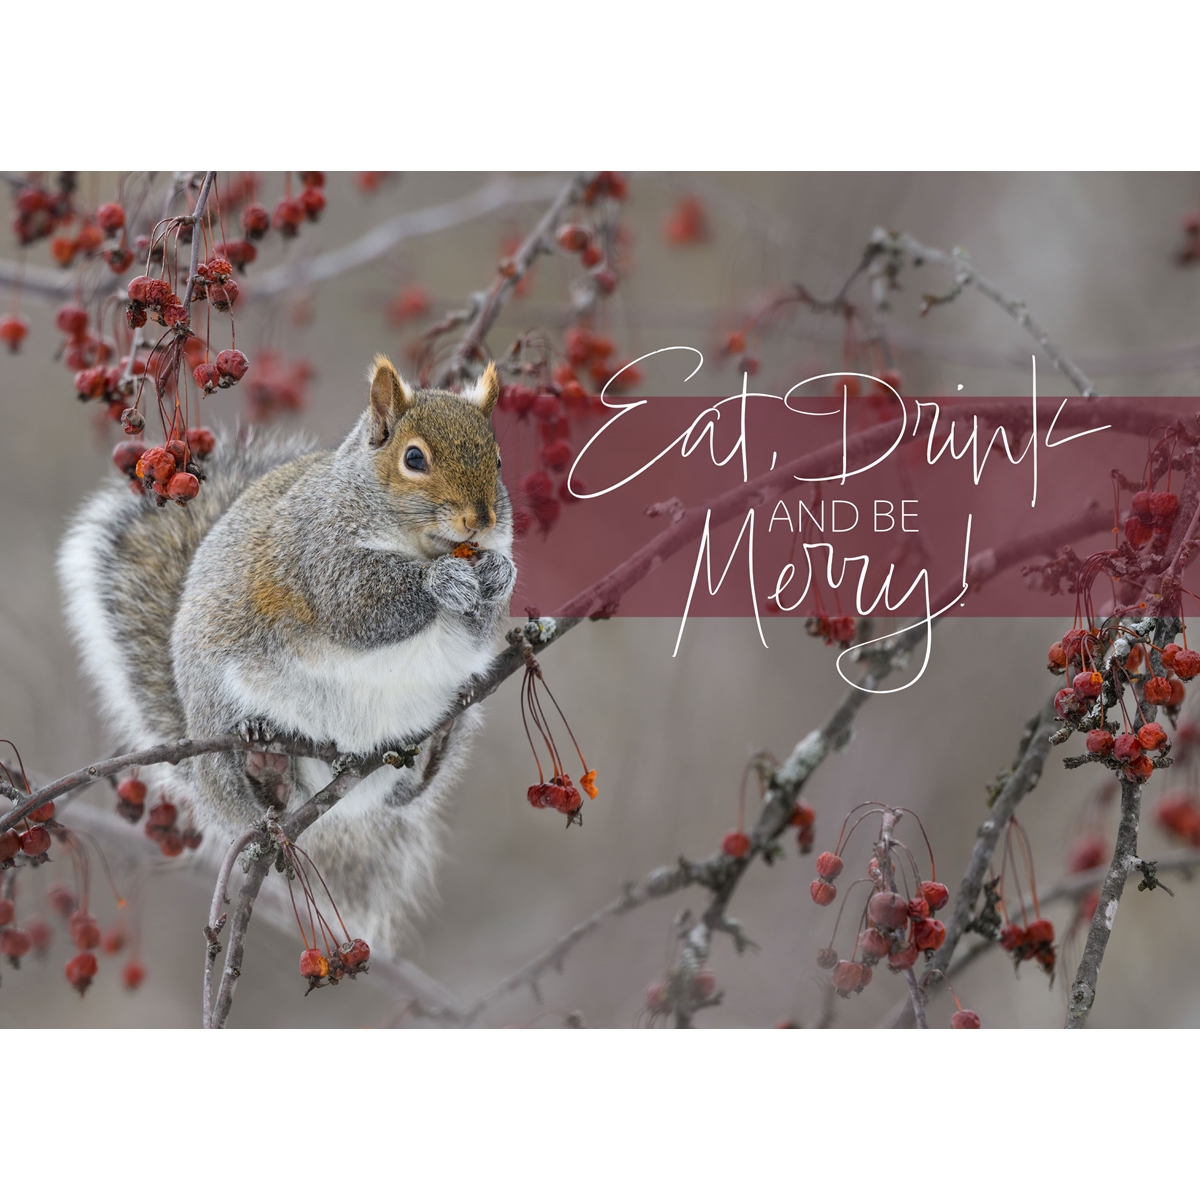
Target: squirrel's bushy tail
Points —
{"points": [[122, 566]]}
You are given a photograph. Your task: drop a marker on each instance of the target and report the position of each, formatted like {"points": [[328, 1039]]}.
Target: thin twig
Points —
{"points": [[488, 309], [965, 275]]}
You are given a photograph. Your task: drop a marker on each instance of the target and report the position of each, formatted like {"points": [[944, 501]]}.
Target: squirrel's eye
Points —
{"points": [[414, 460], [497, 462]]}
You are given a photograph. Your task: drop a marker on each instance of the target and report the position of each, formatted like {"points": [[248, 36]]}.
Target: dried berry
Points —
{"points": [[1126, 747], [110, 218], [35, 842], [873, 944], [1157, 689], [1088, 684], [827, 958], [1187, 664], [1152, 735], [822, 892], [313, 964], [936, 894], [847, 977], [889, 910], [928, 934], [255, 221], [232, 365], [829, 866], [13, 330], [14, 944], [81, 970], [736, 844], [1099, 742], [965, 1019]]}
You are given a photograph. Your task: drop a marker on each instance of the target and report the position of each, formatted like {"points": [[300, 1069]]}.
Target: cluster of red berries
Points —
{"points": [[290, 213], [33, 842], [578, 239], [162, 827], [151, 297], [350, 959], [215, 283], [229, 367], [590, 351], [168, 472], [16, 942], [558, 793], [1032, 941], [1083, 705], [892, 926], [38, 211], [1153, 514]]}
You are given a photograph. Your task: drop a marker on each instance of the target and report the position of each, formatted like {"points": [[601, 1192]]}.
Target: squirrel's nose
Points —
{"points": [[481, 517]]}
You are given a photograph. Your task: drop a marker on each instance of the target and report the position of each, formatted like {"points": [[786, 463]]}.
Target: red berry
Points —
{"points": [[1057, 656], [110, 218], [572, 237], [935, 893], [873, 944], [1067, 703], [312, 199], [62, 900], [288, 215], [903, 957], [802, 816], [40, 934], [965, 1019], [12, 331], [1187, 664], [827, 958], [1040, 932], [84, 930], [10, 843], [201, 440], [1100, 742], [1163, 507], [1152, 735], [81, 970], [1126, 747], [43, 813], [1139, 769], [171, 843], [842, 629], [1157, 689], [889, 910], [829, 866], [847, 977], [1177, 693], [114, 940], [72, 320], [1169, 651], [232, 364], [208, 377], [918, 906], [241, 253], [35, 842], [132, 791], [928, 934], [736, 844], [557, 455], [183, 487], [157, 465], [255, 220], [356, 953], [162, 816], [223, 296], [1087, 684], [132, 974], [822, 892], [8, 910], [313, 964], [1140, 504], [14, 943]]}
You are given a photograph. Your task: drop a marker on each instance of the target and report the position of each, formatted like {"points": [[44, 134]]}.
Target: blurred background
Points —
{"points": [[1098, 260]]}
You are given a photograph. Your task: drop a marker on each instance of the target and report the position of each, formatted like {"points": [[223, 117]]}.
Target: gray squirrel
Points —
{"points": [[312, 595]]}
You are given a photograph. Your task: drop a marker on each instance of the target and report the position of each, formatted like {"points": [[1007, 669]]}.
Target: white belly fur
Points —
{"points": [[362, 699]]}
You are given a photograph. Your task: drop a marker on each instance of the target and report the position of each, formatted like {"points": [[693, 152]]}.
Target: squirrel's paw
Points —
{"points": [[453, 583], [496, 574], [257, 729], [271, 776]]}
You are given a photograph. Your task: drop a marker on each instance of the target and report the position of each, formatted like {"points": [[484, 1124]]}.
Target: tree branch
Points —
{"points": [[487, 307]]}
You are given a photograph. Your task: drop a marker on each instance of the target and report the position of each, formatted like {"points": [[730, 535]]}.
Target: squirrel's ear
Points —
{"points": [[485, 391], [390, 397]]}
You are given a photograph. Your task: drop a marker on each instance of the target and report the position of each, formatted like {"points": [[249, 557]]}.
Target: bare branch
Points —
{"points": [[965, 275], [540, 241]]}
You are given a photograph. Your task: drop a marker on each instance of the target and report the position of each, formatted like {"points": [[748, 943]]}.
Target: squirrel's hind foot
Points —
{"points": [[271, 777]]}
